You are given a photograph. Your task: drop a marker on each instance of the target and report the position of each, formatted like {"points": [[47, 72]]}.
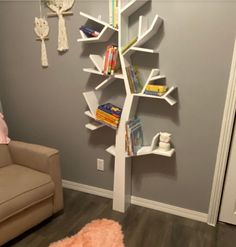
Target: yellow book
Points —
{"points": [[156, 88]]}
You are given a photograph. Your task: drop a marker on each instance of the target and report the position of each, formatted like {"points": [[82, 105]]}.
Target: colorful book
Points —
{"points": [[111, 109], [128, 45], [89, 32], [134, 136]]}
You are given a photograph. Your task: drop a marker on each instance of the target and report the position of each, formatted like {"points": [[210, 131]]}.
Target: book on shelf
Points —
{"points": [[111, 60], [129, 44], [89, 32], [134, 136], [109, 114], [134, 79], [113, 13], [157, 90]]}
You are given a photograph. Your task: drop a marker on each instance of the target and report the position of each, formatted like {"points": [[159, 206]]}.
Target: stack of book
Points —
{"points": [[157, 90], [111, 60], [89, 32], [113, 13], [109, 114], [134, 136], [134, 79]]}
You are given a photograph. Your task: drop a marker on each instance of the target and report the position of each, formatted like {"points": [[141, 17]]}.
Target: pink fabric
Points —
{"points": [[98, 233], [3, 131]]}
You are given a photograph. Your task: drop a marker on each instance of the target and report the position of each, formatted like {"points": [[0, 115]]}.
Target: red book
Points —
{"points": [[106, 60]]}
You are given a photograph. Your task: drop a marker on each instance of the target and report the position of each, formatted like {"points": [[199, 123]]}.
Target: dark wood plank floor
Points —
{"points": [[142, 227]]}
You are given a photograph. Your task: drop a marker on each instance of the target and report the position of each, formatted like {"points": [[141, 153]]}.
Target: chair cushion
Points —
{"points": [[22, 187], [5, 157]]}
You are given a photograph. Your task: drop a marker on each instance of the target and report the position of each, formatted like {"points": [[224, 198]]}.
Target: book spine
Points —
{"points": [[106, 60], [89, 31], [110, 60], [127, 46], [114, 60], [134, 79], [113, 118], [130, 80]]}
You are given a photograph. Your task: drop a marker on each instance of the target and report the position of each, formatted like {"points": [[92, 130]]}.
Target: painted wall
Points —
{"points": [[46, 106]]}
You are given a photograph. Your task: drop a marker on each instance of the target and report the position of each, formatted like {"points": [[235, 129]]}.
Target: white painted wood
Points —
{"points": [[87, 189], [224, 145], [89, 114], [228, 203], [162, 207], [103, 36], [170, 209], [97, 20], [96, 72], [83, 35], [122, 167], [150, 32], [92, 101], [94, 126], [140, 23], [134, 49], [157, 77], [146, 150], [132, 6], [153, 72], [92, 71], [97, 61], [170, 100], [105, 83]]}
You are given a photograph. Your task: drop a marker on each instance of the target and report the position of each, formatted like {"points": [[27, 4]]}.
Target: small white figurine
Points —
{"points": [[164, 143]]}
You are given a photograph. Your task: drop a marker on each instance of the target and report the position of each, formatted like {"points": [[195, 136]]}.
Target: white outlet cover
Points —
{"points": [[100, 164]]}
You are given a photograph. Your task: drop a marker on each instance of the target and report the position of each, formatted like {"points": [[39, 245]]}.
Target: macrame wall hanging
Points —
{"points": [[61, 7], [41, 28]]}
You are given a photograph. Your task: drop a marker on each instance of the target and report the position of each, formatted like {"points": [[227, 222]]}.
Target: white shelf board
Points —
{"points": [[103, 36], [92, 101], [150, 31], [134, 49], [89, 114], [97, 20], [132, 6], [144, 151], [97, 61], [96, 72], [92, 71], [166, 96], [157, 77], [94, 126], [105, 83]]}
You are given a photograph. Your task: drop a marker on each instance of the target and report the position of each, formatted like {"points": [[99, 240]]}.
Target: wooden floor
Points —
{"points": [[142, 227]]}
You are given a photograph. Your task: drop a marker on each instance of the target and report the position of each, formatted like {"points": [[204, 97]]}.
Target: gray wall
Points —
{"points": [[46, 106]]}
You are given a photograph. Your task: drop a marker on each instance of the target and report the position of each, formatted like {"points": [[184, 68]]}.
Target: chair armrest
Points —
{"points": [[43, 159]]}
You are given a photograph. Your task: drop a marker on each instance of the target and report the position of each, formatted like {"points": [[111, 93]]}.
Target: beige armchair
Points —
{"points": [[30, 187]]}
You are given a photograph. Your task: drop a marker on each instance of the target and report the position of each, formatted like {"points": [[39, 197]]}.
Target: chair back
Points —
{"points": [[5, 156]]}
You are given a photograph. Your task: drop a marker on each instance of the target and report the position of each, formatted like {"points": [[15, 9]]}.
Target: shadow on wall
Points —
{"points": [[153, 165]]}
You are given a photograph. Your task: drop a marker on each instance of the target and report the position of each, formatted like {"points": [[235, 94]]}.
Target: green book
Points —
{"points": [[128, 45]]}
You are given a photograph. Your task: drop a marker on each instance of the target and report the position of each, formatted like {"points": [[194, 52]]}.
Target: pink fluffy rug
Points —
{"points": [[98, 233]]}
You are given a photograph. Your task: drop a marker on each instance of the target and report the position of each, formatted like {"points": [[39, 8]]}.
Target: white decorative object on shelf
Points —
{"points": [[61, 8], [129, 45], [41, 28], [164, 143]]}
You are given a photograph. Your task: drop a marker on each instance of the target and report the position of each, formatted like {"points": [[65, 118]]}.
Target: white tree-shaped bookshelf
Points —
{"points": [[122, 169]]}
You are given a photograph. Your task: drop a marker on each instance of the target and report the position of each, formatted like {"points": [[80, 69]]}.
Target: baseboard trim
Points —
{"points": [[167, 208], [163, 207], [87, 189]]}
